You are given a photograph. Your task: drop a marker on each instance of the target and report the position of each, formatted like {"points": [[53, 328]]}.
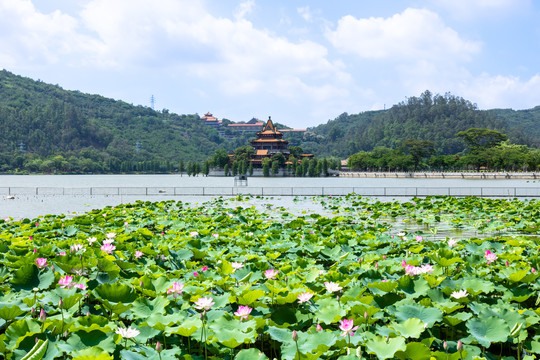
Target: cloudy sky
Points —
{"points": [[301, 62]]}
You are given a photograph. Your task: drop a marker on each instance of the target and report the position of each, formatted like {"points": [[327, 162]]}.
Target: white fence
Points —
{"points": [[274, 191]]}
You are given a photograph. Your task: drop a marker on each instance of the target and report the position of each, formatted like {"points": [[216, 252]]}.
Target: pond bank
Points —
{"points": [[443, 175]]}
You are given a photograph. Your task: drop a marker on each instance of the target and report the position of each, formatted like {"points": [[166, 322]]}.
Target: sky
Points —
{"points": [[300, 62]]}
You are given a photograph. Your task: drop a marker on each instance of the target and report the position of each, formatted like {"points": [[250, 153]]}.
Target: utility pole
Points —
{"points": [[152, 101]]}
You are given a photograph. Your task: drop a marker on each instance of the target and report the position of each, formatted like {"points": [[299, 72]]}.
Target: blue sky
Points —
{"points": [[301, 62]]}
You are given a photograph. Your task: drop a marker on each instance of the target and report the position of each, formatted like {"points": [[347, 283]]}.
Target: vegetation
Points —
{"points": [[429, 117], [376, 279]]}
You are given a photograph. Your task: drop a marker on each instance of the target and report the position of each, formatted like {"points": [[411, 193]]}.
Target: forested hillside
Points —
{"points": [[42, 123], [430, 117]]}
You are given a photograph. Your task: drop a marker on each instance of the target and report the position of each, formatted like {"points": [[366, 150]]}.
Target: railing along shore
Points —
{"points": [[502, 191], [442, 175]]}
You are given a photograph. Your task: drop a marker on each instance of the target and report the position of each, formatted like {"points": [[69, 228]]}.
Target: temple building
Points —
{"points": [[210, 120], [269, 142]]}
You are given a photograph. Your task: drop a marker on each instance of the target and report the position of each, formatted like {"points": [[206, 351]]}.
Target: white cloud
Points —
{"points": [[305, 13], [413, 34], [502, 91], [244, 8], [29, 36]]}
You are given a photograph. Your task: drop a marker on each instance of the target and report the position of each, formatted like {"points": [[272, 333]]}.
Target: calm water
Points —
{"points": [[32, 206]]}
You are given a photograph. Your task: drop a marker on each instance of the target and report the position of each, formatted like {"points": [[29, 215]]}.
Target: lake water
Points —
{"points": [[31, 205]]}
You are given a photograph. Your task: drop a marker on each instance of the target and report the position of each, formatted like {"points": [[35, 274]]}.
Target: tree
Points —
{"points": [[250, 169], [478, 139], [275, 167], [181, 168], [220, 158], [226, 169], [206, 168], [266, 167], [419, 149]]}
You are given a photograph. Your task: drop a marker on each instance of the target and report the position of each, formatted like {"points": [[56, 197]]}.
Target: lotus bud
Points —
{"points": [[376, 265], [445, 346], [533, 270], [384, 257], [294, 335], [60, 303], [366, 315], [36, 340], [65, 334], [88, 313], [319, 327], [459, 346], [507, 263], [387, 338], [32, 311], [42, 315], [159, 347], [141, 284]]}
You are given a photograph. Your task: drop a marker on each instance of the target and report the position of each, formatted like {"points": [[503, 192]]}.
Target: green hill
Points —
{"points": [[41, 123], [436, 118]]}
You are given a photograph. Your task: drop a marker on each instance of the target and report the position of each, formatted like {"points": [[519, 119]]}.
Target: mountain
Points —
{"points": [[427, 117]]}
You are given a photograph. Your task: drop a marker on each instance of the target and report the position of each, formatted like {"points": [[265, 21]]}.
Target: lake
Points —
{"points": [[26, 203]]}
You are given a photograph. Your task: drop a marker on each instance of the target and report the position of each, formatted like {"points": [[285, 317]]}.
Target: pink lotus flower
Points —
{"points": [[419, 238], [65, 282], [204, 268], [195, 274], [319, 327], [452, 242], [80, 286], [193, 233], [215, 235], [490, 257], [41, 262], [108, 248], [332, 286], [304, 297], [108, 241], [62, 253], [271, 273], [347, 326], [243, 312], [533, 270], [204, 303], [138, 254], [175, 289]]}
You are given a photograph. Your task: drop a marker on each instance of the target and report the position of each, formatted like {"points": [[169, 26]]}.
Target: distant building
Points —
{"points": [[210, 120], [252, 125]]}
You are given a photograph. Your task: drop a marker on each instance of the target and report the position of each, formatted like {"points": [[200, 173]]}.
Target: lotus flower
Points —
{"points": [[237, 265], [452, 242], [193, 233], [204, 303], [347, 326], [110, 235], [77, 247], [138, 254], [127, 333], [41, 262], [108, 248], [65, 282], [243, 312], [459, 294], [304, 297], [332, 286], [175, 289], [91, 240], [490, 257], [270, 273]]}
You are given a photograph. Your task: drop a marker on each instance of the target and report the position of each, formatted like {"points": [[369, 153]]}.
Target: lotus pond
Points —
{"points": [[432, 278]]}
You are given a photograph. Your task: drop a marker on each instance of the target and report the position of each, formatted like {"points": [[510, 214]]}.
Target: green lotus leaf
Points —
{"points": [[427, 315], [413, 287], [410, 328], [475, 286], [250, 296], [18, 330], [414, 351], [488, 330], [250, 354], [233, 332], [457, 318], [329, 311], [28, 277], [385, 349], [70, 230], [186, 328], [385, 287], [92, 353], [116, 292], [81, 340], [9, 313], [310, 345], [144, 308]]}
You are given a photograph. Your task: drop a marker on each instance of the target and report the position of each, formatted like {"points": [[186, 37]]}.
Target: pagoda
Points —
{"points": [[269, 142]]}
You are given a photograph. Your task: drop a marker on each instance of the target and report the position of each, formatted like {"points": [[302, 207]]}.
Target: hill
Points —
{"points": [[40, 122], [436, 118]]}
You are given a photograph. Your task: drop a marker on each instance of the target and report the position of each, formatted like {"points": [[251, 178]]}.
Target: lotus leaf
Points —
{"points": [[385, 349], [488, 330]]}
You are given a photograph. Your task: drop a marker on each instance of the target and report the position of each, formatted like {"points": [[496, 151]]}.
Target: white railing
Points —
{"points": [[274, 191]]}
